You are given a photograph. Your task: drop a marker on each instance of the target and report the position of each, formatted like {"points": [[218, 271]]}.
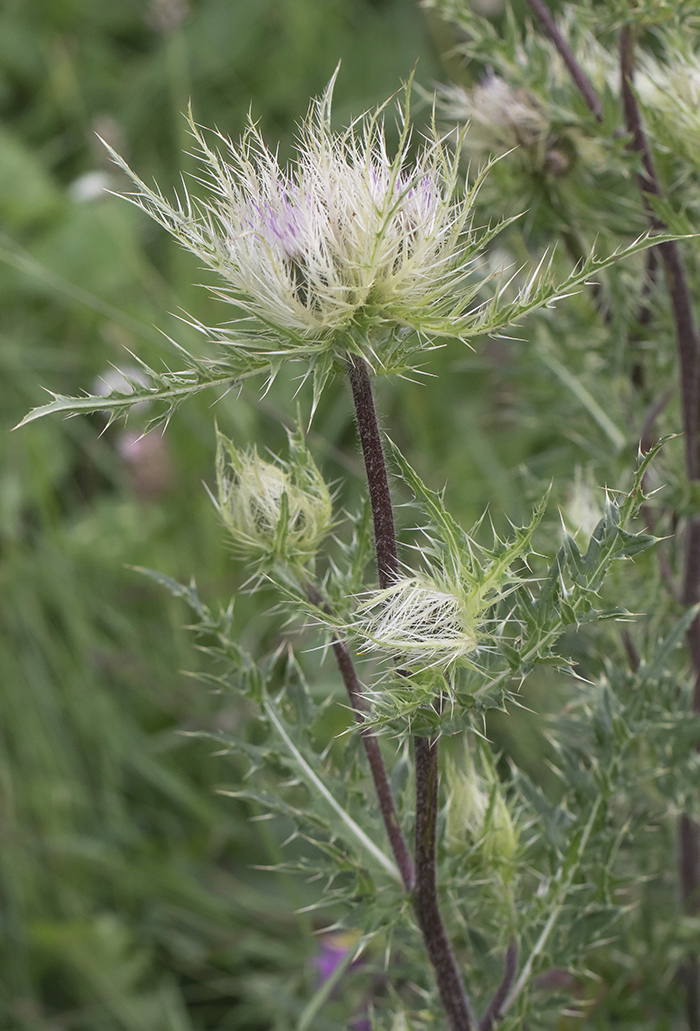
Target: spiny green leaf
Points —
{"points": [[150, 386], [654, 670], [541, 290], [432, 504], [171, 390], [178, 590], [316, 782]]}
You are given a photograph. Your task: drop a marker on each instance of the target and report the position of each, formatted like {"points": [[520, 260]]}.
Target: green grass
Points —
{"points": [[127, 894]]}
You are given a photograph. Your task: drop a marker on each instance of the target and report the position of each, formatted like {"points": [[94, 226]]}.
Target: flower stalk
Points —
{"points": [[437, 944], [449, 980], [374, 755], [377, 479]]}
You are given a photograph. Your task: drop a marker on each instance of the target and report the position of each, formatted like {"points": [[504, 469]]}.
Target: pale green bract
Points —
{"points": [[272, 510]]}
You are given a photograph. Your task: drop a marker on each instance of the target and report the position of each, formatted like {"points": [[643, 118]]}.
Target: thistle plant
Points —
{"points": [[356, 260], [345, 255]]}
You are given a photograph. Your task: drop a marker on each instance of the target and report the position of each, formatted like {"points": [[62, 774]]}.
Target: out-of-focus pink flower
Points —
{"points": [[334, 949], [149, 462], [332, 953]]}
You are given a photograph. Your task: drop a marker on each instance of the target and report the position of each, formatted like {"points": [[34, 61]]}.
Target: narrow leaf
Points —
{"points": [[318, 787]]}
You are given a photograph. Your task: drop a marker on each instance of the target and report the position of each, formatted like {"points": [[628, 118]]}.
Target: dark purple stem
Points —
{"points": [[450, 984], [372, 750], [447, 975], [676, 279], [689, 362], [376, 765], [377, 479], [543, 15], [493, 1013]]}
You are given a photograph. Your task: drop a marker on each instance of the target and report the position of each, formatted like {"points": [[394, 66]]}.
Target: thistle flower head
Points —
{"points": [[669, 92], [344, 248], [273, 510], [430, 622], [438, 618], [501, 116]]}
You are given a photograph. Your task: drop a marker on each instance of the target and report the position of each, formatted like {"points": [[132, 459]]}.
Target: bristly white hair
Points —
{"points": [[344, 243]]}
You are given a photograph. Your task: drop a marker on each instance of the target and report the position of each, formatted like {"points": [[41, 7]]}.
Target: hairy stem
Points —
{"points": [[376, 765], [377, 479], [372, 750], [451, 987], [447, 975]]}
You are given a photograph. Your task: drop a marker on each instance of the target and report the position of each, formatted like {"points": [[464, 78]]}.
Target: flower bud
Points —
{"points": [[477, 815], [277, 510], [428, 622], [583, 509]]}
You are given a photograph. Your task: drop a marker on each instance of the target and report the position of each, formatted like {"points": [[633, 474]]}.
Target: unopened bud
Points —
{"points": [[428, 622], [477, 815], [280, 510], [584, 506]]}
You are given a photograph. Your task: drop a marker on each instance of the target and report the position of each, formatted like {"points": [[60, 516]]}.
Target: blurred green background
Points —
{"points": [[129, 894]]}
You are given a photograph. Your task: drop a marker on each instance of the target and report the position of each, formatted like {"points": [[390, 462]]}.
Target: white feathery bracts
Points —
{"points": [[345, 247], [427, 622]]}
